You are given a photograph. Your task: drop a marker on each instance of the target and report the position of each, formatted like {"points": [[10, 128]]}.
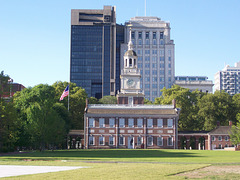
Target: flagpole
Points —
{"points": [[68, 95]]}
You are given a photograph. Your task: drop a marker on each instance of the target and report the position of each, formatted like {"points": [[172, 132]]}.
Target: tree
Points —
{"points": [[235, 132], [216, 107], [8, 126], [40, 119], [187, 102], [8, 118], [77, 102], [93, 100], [108, 100]]}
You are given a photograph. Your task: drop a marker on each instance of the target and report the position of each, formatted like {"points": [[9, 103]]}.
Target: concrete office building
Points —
{"points": [[228, 79], [155, 49], [94, 50], [195, 82]]}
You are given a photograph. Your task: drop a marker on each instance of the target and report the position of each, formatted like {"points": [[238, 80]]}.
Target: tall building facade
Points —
{"points": [[155, 49], [193, 83], [94, 52], [228, 79]]}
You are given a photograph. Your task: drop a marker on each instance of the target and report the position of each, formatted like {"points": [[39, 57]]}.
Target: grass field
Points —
{"points": [[132, 164]]}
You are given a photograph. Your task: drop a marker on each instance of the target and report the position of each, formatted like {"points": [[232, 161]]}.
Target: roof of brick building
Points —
{"points": [[130, 110], [225, 130]]}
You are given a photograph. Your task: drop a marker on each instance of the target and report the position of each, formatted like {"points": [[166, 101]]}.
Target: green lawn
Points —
{"points": [[125, 164]]}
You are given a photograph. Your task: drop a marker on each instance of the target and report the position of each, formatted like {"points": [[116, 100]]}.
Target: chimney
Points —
{"points": [[230, 123], [174, 103], [218, 123]]}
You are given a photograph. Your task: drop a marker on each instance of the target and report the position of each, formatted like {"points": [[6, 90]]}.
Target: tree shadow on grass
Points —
{"points": [[100, 153]]}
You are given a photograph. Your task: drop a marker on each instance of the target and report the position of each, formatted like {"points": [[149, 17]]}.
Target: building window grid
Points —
{"points": [[160, 123], [101, 122], [91, 122], [111, 122], [91, 140], [101, 140], [149, 123], [121, 140], [130, 122], [160, 141], [140, 123], [121, 122], [111, 140], [170, 141], [170, 123], [150, 141]]}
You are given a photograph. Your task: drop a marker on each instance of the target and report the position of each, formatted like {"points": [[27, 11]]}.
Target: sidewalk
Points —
{"points": [[14, 170]]}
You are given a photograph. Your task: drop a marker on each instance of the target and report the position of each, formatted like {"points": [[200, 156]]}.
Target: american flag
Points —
{"points": [[65, 93]]}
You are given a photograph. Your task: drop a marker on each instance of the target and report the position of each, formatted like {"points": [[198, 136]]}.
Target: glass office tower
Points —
{"points": [[93, 51]]}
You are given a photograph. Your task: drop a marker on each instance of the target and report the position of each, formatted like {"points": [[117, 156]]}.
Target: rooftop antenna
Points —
{"points": [[145, 7]]}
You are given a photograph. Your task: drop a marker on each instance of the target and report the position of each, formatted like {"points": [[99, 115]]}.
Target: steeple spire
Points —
{"points": [[130, 44]]}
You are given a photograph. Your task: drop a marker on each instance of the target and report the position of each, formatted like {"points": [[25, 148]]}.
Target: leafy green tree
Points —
{"points": [[77, 106], [93, 100], [8, 117], [39, 115], [235, 132], [146, 101], [216, 107], [77, 102], [8, 126], [108, 100], [187, 102]]}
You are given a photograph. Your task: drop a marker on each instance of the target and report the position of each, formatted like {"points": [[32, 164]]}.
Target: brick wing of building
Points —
{"points": [[126, 126]]}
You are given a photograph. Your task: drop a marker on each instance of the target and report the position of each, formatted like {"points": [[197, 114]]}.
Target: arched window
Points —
{"points": [[130, 62]]}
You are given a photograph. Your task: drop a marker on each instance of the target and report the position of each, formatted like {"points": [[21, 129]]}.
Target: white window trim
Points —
{"points": [[220, 138], [132, 123], [148, 141], [103, 140], [158, 143], [113, 122], [226, 138], [168, 141], [113, 141], [213, 138], [169, 123], [148, 123], [93, 122], [158, 120], [120, 141], [138, 123], [123, 123], [103, 122], [93, 141], [140, 140]]}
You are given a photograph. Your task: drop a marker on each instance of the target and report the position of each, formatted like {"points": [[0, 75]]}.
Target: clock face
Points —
{"points": [[130, 82]]}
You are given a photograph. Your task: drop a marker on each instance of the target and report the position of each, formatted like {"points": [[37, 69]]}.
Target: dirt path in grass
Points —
{"points": [[211, 171]]}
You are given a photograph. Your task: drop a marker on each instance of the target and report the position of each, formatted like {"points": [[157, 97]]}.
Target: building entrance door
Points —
{"points": [[130, 142]]}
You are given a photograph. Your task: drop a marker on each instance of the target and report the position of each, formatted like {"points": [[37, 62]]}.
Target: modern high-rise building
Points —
{"points": [[94, 50], [228, 79], [155, 50]]}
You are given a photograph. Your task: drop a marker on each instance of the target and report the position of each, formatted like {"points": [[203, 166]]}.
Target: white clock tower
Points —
{"points": [[130, 92]]}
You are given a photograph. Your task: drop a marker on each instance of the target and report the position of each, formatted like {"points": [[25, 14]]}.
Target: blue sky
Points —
{"points": [[35, 35]]}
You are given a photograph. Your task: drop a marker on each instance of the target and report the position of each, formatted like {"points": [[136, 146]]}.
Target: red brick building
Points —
{"points": [[130, 123]]}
